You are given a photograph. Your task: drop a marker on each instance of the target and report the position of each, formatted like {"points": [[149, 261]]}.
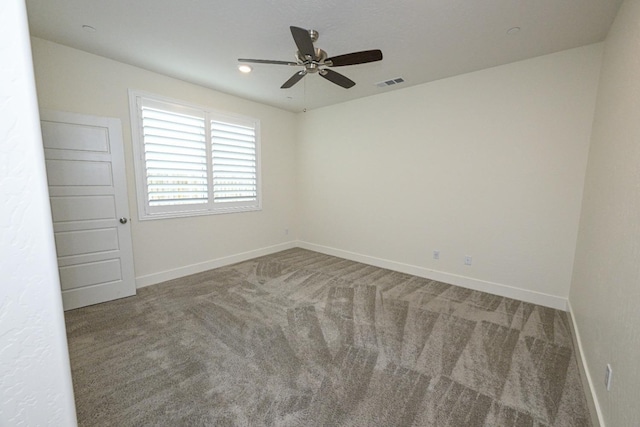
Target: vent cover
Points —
{"points": [[390, 82]]}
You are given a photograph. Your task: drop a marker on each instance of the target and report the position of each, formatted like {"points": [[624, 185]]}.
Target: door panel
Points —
{"points": [[90, 273], [70, 136], [81, 242], [87, 189], [78, 173], [84, 208]]}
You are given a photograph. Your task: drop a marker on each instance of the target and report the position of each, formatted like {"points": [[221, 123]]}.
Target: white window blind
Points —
{"points": [[175, 151], [193, 161], [234, 162]]}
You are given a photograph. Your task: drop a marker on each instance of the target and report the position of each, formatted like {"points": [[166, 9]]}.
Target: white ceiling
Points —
{"points": [[422, 40]]}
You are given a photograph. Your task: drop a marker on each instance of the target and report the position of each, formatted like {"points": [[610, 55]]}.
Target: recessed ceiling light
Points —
{"points": [[513, 30], [244, 68], [89, 29]]}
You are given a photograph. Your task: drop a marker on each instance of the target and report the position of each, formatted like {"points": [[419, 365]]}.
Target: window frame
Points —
{"points": [[147, 212]]}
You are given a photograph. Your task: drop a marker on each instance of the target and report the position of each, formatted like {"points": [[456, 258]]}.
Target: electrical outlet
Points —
{"points": [[436, 254], [468, 260], [608, 376], [286, 231]]}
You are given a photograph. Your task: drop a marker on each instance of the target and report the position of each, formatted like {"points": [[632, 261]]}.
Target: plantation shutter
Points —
{"points": [[234, 165], [175, 152], [191, 160]]}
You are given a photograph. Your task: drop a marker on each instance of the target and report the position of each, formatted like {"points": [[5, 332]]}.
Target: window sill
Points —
{"points": [[194, 213]]}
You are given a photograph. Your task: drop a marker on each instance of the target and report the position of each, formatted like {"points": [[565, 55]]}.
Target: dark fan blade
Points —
{"points": [[337, 78], [303, 41], [267, 61], [294, 79], [356, 58]]}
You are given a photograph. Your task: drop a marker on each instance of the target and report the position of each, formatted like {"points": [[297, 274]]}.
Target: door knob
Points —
{"points": [[123, 220]]}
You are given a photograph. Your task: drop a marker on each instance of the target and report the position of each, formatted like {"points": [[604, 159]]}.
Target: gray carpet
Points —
{"points": [[299, 338]]}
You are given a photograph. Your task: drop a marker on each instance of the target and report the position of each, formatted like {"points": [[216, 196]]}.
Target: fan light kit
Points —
{"points": [[315, 60], [244, 68]]}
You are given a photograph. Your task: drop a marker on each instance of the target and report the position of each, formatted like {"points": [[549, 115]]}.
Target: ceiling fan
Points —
{"points": [[315, 60]]}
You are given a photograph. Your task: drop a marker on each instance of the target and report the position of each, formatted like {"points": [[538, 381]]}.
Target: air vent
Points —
{"points": [[391, 82]]}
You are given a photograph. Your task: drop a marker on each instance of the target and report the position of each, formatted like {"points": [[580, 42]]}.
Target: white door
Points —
{"points": [[87, 189]]}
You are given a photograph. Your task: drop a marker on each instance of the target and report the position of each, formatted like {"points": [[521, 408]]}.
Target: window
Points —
{"points": [[191, 160]]}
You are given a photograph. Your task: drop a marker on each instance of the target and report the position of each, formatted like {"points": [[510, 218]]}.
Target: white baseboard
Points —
{"points": [[454, 279], [533, 297], [163, 276], [589, 389]]}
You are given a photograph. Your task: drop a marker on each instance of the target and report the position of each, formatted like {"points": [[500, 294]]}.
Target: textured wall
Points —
{"points": [[605, 293], [35, 380], [488, 164]]}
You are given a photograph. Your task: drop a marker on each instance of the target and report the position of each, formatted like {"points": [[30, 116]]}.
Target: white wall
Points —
{"points": [[35, 378], [72, 80], [605, 292], [488, 164]]}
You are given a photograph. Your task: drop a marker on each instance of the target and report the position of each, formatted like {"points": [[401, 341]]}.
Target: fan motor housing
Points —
{"points": [[313, 64]]}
